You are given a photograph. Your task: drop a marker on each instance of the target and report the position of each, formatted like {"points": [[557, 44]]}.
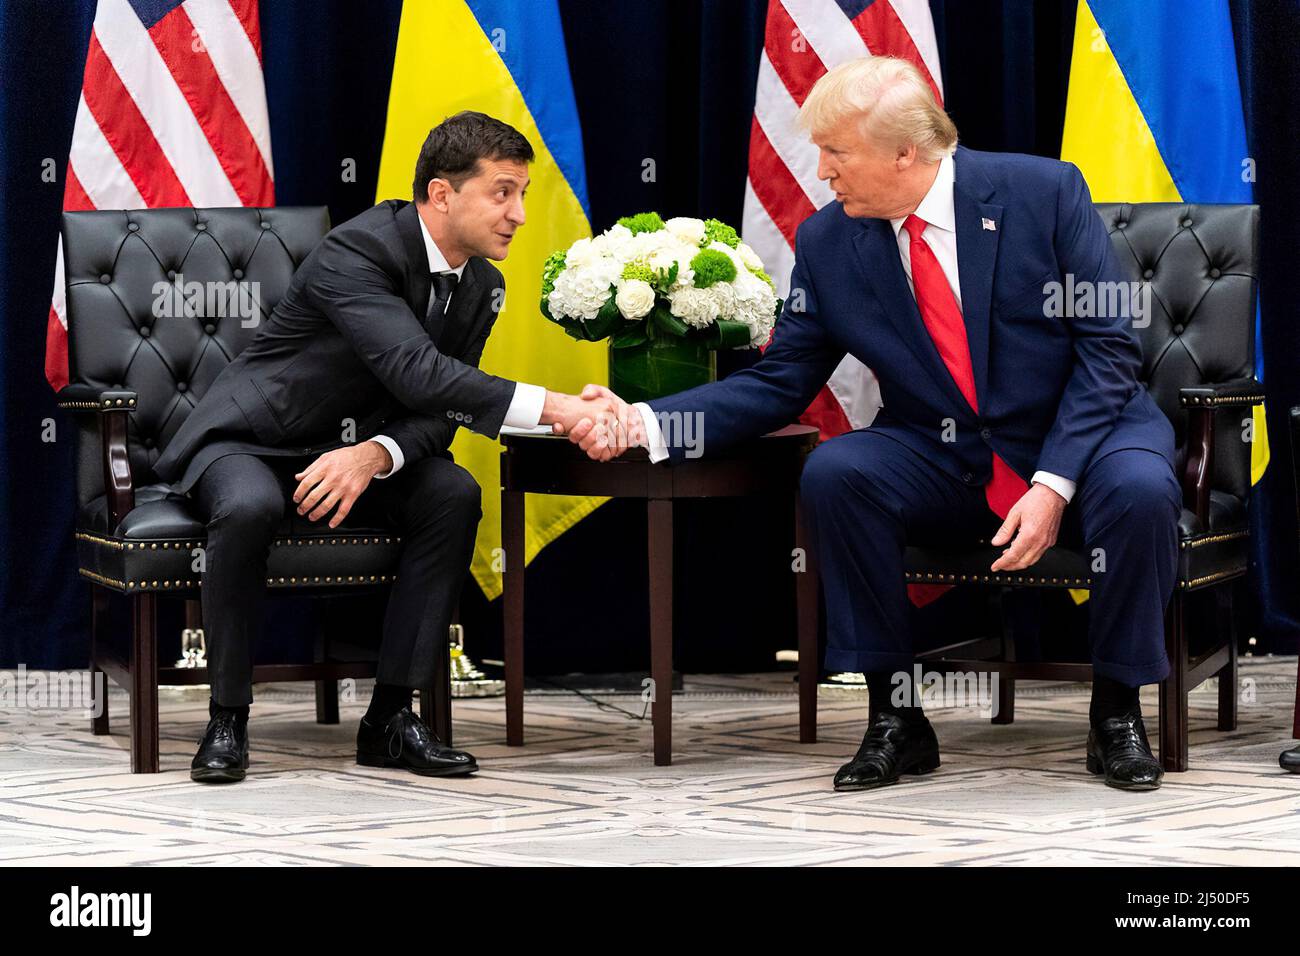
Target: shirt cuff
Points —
{"points": [[1062, 486], [525, 409], [654, 436], [396, 452]]}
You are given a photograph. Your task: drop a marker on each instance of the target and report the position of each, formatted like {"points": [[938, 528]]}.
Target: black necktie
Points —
{"points": [[444, 284]]}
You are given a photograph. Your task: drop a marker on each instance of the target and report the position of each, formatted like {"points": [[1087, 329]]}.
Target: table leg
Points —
{"points": [[512, 606], [805, 597], [659, 514]]}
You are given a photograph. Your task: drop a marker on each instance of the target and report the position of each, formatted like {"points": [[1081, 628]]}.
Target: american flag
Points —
{"points": [[804, 39], [172, 113]]}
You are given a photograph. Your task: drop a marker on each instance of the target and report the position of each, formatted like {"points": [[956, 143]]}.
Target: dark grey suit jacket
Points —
{"points": [[348, 343]]}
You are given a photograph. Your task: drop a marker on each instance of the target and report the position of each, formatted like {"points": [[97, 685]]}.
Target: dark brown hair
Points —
{"points": [[453, 148]]}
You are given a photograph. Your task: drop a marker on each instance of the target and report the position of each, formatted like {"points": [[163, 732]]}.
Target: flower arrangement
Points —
{"points": [[645, 279]]}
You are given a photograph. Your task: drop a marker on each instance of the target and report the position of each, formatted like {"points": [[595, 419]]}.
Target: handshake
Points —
{"points": [[597, 421]]}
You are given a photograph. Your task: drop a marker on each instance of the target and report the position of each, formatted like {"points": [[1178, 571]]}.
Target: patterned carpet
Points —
{"points": [[584, 790]]}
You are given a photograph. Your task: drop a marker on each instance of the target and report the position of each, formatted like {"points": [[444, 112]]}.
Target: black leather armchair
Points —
{"points": [[138, 367], [1198, 363]]}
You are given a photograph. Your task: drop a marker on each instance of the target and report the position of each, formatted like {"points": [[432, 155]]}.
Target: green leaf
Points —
{"points": [[729, 334], [635, 334], [669, 323]]}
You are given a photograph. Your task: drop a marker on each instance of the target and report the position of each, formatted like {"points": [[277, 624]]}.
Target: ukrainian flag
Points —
{"points": [[1154, 114], [505, 58]]}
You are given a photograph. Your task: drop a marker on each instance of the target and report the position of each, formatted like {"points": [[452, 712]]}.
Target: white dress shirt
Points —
{"points": [[938, 209], [525, 409]]}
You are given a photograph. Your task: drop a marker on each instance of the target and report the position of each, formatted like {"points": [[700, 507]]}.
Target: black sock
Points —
{"points": [[889, 698], [214, 708], [1111, 698], [387, 700]]}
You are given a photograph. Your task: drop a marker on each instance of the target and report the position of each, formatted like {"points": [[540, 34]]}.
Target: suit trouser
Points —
{"points": [[868, 496], [433, 503]]}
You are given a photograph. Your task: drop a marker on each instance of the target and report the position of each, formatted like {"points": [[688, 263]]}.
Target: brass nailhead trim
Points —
{"points": [[100, 579], [1206, 579], [1221, 400], [920, 577], [95, 539], [1214, 539]]}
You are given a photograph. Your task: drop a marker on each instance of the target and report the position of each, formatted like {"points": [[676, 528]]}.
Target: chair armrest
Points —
{"points": [[113, 405], [1201, 401], [88, 398], [1243, 391]]}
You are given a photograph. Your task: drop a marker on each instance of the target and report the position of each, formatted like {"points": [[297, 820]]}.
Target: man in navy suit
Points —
{"points": [[1004, 413]]}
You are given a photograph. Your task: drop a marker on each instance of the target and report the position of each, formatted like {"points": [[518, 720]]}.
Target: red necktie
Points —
{"points": [[942, 317]]}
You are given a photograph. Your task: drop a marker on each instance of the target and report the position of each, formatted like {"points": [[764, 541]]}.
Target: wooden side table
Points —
{"points": [[552, 465]]}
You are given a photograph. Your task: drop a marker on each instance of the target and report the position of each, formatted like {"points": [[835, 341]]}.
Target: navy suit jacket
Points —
{"points": [[1053, 393]]}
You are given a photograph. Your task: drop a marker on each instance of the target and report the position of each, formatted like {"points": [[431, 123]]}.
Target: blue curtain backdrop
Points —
{"points": [[683, 97]]}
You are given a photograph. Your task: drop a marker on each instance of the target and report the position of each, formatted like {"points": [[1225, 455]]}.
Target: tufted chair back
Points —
{"points": [[160, 300], [1201, 263]]}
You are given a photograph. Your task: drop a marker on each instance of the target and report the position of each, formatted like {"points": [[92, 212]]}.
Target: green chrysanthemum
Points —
{"points": [[551, 270], [710, 266], [763, 275], [718, 231], [643, 222], [636, 269]]}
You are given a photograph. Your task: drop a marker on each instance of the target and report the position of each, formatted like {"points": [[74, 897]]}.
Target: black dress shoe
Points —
{"points": [[892, 747], [405, 741], [223, 751], [1290, 759], [1118, 748]]}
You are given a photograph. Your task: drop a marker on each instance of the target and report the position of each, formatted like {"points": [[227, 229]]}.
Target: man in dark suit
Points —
{"points": [[936, 267], [364, 371]]}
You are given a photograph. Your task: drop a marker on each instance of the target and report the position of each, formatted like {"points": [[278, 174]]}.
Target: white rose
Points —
{"points": [[635, 298], [686, 229], [581, 253], [749, 257]]}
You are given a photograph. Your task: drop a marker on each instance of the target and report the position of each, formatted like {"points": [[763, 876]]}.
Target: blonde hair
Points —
{"points": [[895, 103]]}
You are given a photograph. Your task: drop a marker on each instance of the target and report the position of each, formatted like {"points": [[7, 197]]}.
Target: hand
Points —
{"points": [[609, 434], [1035, 521], [337, 478], [563, 412], [597, 416]]}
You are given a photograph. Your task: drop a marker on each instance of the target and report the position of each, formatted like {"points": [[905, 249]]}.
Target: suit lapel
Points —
{"points": [[878, 257], [977, 253], [419, 286]]}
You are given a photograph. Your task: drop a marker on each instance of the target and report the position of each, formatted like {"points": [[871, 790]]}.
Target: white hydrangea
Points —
{"points": [[635, 298], [581, 291], [723, 295], [755, 305], [693, 306], [686, 229]]}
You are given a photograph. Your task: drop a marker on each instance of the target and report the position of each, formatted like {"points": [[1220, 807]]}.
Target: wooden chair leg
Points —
{"points": [[1173, 689], [659, 513], [1006, 713], [98, 679], [327, 691], [435, 701], [805, 587], [144, 683], [512, 610], [1228, 674]]}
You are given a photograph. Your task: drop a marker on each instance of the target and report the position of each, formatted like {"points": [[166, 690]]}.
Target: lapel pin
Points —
{"points": [[990, 225]]}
